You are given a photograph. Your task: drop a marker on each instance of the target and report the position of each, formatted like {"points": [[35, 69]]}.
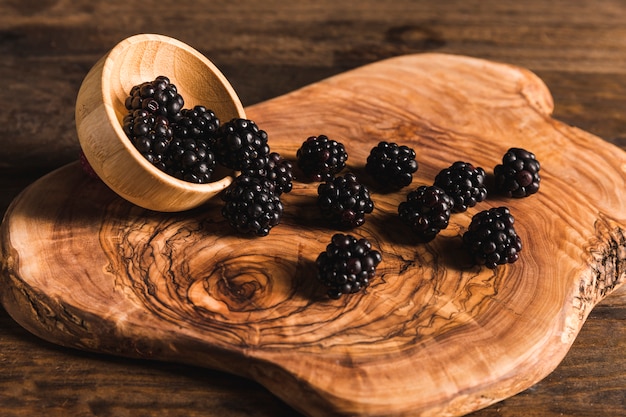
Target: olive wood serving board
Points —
{"points": [[432, 335]]}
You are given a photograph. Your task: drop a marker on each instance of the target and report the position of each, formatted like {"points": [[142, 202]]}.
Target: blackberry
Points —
{"points": [[150, 134], [251, 205], [190, 160], [320, 158], [242, 146], [464, 183], [491, 239], [196, 123], [277, 170], [391, 165], [159, 97], [344, 201], [347, 265], [85, 166], [518, 175], [426, 211]]}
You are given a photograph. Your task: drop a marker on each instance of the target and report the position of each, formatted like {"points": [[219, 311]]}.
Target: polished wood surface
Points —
{"points": [[575, 47]]}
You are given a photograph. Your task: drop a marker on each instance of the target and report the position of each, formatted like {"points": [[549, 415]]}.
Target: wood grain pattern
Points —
{"points": [[444, 337]]}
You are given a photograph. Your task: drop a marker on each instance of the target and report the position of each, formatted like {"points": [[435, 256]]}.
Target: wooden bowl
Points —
{"points": [[100, 110]]}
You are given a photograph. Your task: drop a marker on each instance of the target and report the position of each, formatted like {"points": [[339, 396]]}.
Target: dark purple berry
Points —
{"points": [[321, 158], [150, 134], [159, 97], [190, 160], [196, 123], [251, 205], [426, 211], [344, 201], [464, 183], [242, 146], [518, 175], [491, 238], [391, 165], [277, 170], [347, 265], [86, 166]]}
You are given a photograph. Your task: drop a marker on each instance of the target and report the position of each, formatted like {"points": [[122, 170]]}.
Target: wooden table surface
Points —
{"points": [[267, 49]]}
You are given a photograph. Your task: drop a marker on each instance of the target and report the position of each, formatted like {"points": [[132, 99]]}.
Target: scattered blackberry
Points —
{"points": [[159, 97], [320, 158], [251, 205], [391, 165], [426, 211], [196, 123], [518, 175], [191, 160], [464, 183], [348, 265], [86, 166], [344, 201], [150, 134], [277, 170], [242, 146], [491, 239]]}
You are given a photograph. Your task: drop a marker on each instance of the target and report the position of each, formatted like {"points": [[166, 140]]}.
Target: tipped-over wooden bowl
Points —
{"points": [[100, 110]]}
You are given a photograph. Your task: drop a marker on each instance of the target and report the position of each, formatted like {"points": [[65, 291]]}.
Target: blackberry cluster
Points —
{"points": [[491, 239], [344, 201], [242, 146], [426, 211], [85, 166], [348, 265], [279, 171], [464, 183], [196, 123], [320, 158], [190, 160], [177, 141], [150, 134], [251, 205], [518, 175], [159, 97], [391, 165]]}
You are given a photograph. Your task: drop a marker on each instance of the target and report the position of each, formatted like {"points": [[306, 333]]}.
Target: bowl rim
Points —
{"points": [[105, 84]]}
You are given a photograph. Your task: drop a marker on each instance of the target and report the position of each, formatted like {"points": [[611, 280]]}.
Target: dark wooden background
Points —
{"points": [[267, 49]]}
